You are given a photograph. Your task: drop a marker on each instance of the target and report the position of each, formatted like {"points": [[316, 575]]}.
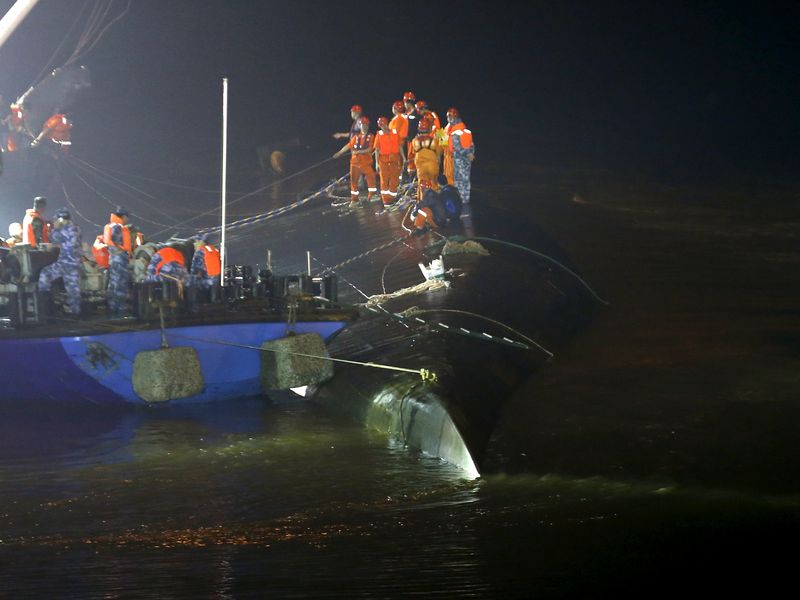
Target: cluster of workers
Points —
{"points": [[112, 251], [411, 143], [57, 129]]}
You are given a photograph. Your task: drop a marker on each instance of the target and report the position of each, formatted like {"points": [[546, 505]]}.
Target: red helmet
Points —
{"points": [[398, 106], [356, 108], [383, 122], [409, 97], [363, 120], [453, 112], [425, 124], [421, 105]]}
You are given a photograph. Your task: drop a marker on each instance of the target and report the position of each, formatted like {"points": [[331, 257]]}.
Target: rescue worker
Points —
{"points": [[435, 209], [117, 238], [462, 150], [423, 158], [390, 160], [168, 264], [361, 147], [14, 235], [206, 264], [400, 124], [69, 264], [58, 130], [421, 108], [35, 230], [100, 252], [412, 116], [16, 126], [355, 129]]}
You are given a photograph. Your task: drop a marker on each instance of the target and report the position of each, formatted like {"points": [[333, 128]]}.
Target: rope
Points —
{"points": [[424, 374], [274, 212], [364, 254], [541, 255], [253, 193]]}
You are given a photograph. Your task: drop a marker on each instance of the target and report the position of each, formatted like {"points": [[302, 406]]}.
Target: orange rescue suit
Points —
{"points": [[424, 158], [390, 162], [361, 164], [400, 124], [58, 128], [126, 235]]}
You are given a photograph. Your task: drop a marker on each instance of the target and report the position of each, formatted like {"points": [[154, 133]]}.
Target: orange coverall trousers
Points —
{"points": [[361, 164], [390, 166]]}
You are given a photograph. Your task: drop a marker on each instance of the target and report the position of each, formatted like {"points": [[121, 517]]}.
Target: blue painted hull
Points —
{"points": [[97, 369]]}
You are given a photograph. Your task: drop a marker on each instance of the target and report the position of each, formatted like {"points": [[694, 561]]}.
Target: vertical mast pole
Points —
{"points": [[224, 176], [14, 17]]}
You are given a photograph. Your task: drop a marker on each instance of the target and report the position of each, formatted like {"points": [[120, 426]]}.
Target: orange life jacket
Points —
{"points": [[17, 117], [461, 130], [212, 260], [28, 236], [362, 141], [169, 255], [126, 234], [100, 252], [58, 128]]}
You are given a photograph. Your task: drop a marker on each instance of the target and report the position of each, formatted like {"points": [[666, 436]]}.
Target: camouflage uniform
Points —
{"points": [[119, 275], [462, 165], [200, 276], [67, 267], [174, 269]]}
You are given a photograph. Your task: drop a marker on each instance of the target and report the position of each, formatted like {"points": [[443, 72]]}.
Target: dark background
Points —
{"points": [[700, 87]]}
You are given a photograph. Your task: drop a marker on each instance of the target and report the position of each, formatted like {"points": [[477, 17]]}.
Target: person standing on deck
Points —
{"points": [[361, 147], [421, 108], [355, 113], [35, 229], [390, 160], [70, 261], [424, 156], [117, 238], [461, 152], [206, 264]]}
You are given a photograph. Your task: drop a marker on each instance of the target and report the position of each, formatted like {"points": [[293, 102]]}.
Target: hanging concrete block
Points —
{"points": [[281, 369], [167, 374]]}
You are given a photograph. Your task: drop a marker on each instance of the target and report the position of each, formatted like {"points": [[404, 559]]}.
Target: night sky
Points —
{"points": [[699, 88]]}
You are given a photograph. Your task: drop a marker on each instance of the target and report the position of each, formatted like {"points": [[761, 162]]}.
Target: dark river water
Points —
{"points": [[656, 456]]}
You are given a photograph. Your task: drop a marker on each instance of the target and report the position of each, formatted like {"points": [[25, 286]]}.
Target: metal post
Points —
{"points": [[308, 262], [14, 17], [222, 256]]}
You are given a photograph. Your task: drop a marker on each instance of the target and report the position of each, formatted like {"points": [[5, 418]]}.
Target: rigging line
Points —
{"points": [[490, 320], [162, 182], [347, 281], [254, 192], [112, 203], [275, 212], [91, 22], [104, 179], [37, 79], [103, 31], [548, 258], [71, 203]]}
